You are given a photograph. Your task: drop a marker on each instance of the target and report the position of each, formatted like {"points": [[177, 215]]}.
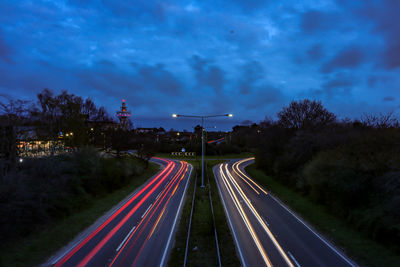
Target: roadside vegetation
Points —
{"points": [[202, 249], [60, 196], [350, 168], [355, 244]]}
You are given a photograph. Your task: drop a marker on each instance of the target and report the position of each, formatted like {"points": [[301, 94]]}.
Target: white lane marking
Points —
{"points": [[114, 209], [126, 237], [245, 219], [175, 220], [146, 210], [293, 258], [258, 217], [230, 222], [158, 195], [265, 220], [322, 239]]}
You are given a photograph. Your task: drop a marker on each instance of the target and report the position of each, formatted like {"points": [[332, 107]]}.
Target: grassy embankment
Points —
{"points": [[39, 245], [362, 249], [202, 249]]}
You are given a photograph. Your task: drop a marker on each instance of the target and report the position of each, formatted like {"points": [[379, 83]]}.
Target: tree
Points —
{"points": [[305, 114], [13, 114], [67, 113]]}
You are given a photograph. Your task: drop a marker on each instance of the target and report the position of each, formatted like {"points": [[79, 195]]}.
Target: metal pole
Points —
{"points": [[202, 151]]}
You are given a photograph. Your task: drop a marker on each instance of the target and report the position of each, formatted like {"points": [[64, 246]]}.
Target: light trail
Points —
{"points": [[153, 209], [244, 218], [236, 165], [159, 217], [110, 234], [258, 217], [65, 257]]}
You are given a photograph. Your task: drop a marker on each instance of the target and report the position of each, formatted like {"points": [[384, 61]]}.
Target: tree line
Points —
{"points": [[352, 167]]}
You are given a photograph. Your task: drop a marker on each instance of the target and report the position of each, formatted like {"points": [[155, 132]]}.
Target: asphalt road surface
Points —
{"points": [[140, 232], [265, 231]]}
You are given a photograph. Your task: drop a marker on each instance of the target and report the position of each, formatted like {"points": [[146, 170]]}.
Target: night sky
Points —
{"points": [[249, 58]]}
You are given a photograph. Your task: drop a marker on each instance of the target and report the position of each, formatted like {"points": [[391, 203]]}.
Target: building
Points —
{"points": [[123, 116]]}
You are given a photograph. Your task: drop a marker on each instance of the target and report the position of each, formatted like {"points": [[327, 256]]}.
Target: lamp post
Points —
{"points": [[202, 135]]}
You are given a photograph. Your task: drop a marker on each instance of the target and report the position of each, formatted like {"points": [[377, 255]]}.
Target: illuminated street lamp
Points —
{"points": [[202, 136]]}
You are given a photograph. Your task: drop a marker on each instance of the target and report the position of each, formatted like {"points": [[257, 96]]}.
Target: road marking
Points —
{"points": [[126, 237], [146, 210], [309, 228], [258, 217], [158, 195], [265, 220], [287, 209], [295, 261], [237, 167], [244, 217], [175, 220], [230, 223]]}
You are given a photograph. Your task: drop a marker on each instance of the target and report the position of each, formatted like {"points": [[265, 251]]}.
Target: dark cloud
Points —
{"points": [[314, 21], [137, 9], [265, 95], [315, 52], [145, 84], [249, 5], [157, 78], [250, 73], [385, 16], [87, 47], [378, 80], [338, 85], [106, 63], [388, 99], [348, 58], [5, 51], [207, 74]]}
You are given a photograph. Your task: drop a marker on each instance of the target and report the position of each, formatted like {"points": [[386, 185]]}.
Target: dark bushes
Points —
{"points": [[43, 190], [352, 168], [361, 182]]}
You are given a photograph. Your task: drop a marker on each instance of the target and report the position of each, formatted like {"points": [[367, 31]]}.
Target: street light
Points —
{"points": [[202, 135]]}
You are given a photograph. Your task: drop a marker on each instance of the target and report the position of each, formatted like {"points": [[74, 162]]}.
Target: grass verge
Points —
{"points": [[202, 249], [37, 247], [363, 250]]}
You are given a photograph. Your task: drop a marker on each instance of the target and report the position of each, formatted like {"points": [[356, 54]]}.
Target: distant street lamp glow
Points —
{"points": [[202, 135]]}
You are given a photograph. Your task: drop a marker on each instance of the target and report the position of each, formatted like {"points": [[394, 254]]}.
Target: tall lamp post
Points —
{"points": [[202, 136]]}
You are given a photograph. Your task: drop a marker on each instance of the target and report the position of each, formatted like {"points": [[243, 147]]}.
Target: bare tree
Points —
{"points": [[13, 113], [381, 121], [305, 114]]}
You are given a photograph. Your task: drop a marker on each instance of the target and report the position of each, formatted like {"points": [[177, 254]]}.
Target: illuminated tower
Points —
{"points": [[123, 115]]}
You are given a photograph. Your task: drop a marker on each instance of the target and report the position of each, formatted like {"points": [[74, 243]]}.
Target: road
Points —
{"points": [[140, 232], [265, 231]]}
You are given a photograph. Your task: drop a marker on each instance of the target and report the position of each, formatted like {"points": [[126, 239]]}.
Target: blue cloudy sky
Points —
{"points": [[248, 57]]}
